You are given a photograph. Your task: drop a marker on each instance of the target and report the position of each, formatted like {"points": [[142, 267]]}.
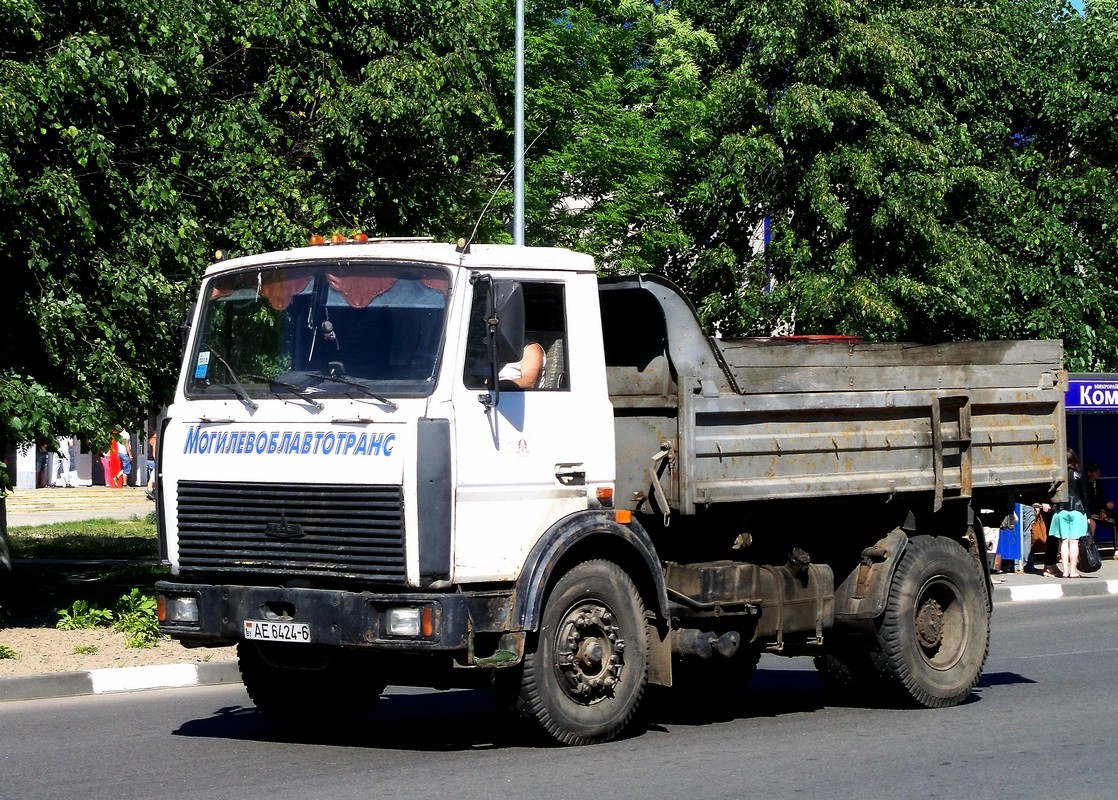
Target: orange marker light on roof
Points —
{"points": [[360, 237], [337, 238], [316, 239]]}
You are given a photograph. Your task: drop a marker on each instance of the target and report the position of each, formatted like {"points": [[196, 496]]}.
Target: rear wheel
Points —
{"points": [[587, 674], [935, 633], [309, 688]]}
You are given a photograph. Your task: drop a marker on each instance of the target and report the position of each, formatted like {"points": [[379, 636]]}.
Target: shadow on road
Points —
{"points": [[1002, 679], [425, 720], [432, 721], [403, 719]]}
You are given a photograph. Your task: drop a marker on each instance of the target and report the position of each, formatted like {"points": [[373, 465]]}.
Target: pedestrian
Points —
{"points": [[123, 444], [42, 459], [150, 490], [67, 468], [74, 449], [66, 474], [1099, 509], [1069, 522], [1097, 503]]}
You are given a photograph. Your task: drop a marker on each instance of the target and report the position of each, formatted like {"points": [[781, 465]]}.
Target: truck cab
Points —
{"points": [[350, 489], [338, 378]]}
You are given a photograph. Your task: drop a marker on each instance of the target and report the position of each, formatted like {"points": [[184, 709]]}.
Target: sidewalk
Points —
{"points": [[50, 505], [41, 506]]}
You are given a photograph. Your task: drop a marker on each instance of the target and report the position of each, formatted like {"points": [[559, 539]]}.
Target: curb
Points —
{"points": [[117, 679], [1053, 590]]}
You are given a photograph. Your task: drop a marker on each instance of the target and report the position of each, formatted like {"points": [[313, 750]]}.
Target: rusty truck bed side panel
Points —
{"points": [[753, 419]]}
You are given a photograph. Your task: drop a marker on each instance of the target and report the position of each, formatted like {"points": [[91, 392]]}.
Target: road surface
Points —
{"points": [[1042, 724]]}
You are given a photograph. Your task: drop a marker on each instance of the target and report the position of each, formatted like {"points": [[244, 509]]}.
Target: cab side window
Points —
{"points": [[544, 365]]}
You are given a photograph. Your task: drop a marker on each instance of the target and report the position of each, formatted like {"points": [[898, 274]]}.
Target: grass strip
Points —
{"points": [[87, 539]]}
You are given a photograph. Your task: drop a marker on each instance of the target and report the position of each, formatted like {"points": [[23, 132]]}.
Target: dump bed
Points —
{"points": [[753, 419]]}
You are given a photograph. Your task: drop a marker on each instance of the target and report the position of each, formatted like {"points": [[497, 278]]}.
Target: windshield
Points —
{"points": [[330, 328]]}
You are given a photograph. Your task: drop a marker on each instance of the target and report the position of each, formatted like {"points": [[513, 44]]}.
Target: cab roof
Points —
{"points": [[478, 256]]}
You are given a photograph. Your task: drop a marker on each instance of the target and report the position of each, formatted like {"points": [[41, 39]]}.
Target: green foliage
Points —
{"points": [[136, 617], [82, 615], [137, 139], [615, 107], [85, 650], [918, 170], [7, 652]]}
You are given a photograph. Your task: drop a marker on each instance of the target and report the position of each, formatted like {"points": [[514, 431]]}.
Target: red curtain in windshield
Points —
{"points": [[360, 290]]}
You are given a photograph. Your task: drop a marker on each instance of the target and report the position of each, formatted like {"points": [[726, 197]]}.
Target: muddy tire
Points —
{"points": [[935, 633], [583, 681], [310, 689]]}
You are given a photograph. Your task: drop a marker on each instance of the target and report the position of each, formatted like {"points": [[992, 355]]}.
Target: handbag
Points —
{"points": [[1089, 558], [1039, 532]]}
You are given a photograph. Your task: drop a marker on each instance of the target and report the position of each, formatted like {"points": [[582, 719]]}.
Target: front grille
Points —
{"points": [[333, 531]]}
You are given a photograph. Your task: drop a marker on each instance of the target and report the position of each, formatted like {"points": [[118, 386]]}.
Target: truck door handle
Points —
{"points": [[570, 474]]}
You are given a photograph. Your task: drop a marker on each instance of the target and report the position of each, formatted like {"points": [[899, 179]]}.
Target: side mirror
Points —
{"points": [[506, 320], [504, 329]]}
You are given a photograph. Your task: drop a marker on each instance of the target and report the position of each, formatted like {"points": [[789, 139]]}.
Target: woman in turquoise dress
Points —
{"points": [[1069, 523]]}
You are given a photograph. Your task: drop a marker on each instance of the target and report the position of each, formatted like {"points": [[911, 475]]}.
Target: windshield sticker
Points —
{"points": [[303, 443], [203, 365]]}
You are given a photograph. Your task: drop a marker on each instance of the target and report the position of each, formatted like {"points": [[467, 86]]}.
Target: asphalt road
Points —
{"points": [[1043, 724]]}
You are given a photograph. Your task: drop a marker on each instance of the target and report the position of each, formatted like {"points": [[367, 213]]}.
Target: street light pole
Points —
{"points": [[518, 123]]}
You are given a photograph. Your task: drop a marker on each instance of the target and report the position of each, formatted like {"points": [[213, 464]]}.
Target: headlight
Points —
{"points": [[403, 622], [411, 621], [177, 608]]}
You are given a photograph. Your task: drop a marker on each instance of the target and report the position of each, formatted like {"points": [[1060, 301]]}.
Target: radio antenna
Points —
{"points": [[464, 244]]}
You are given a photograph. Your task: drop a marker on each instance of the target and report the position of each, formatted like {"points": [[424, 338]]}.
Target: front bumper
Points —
{"points": [[337, 618]]}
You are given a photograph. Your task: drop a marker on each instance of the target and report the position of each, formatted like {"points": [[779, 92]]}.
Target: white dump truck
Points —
{"points": [[352, 491]]}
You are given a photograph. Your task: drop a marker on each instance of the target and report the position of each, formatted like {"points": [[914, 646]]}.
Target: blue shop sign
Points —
{"points": [[1099, 394]]}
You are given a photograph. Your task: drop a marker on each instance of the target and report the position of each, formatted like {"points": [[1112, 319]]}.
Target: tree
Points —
{"points": [[893, 149], [614, 107], [919, 170], [135, 139]]}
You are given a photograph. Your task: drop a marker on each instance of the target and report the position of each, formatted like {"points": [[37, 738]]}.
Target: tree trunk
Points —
{"points": [[5, 555]]}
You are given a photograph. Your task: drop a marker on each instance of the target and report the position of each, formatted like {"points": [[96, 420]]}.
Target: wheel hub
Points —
{"points": [[929, 624], [589, 653]]}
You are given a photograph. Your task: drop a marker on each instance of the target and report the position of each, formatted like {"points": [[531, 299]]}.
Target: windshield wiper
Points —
{"points": [[291, 387], [236, 388], [355, 384]]}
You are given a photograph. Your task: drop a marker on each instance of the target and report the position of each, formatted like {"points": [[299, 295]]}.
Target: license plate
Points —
{"points": [[266, 631]]}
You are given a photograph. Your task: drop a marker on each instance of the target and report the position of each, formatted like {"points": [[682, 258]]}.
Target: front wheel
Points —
{"points": [[935, 633], [306, 688], [584, 680]]}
